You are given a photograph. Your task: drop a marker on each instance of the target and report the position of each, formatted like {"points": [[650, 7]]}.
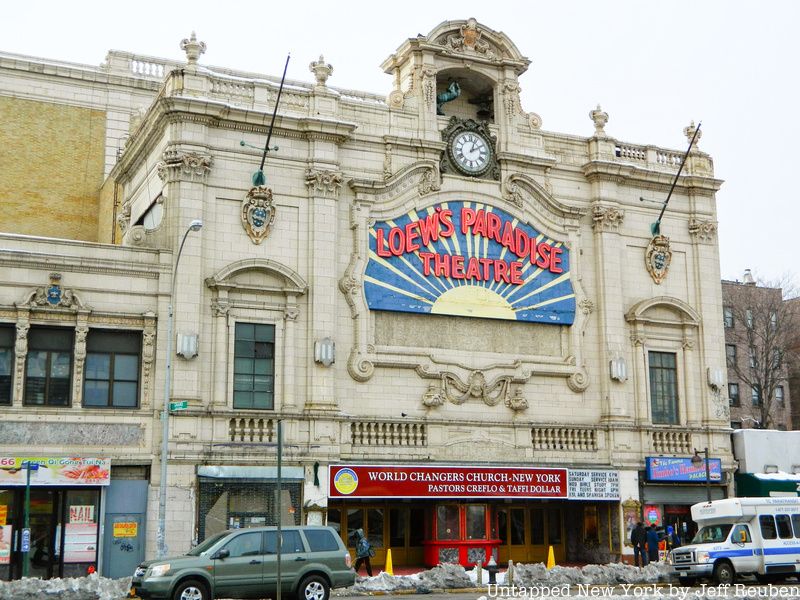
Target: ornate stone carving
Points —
{"points": [[359, 367], [193, 48], [291, 313], [606, 218], [396, 99], [220, 308], [578, 381], [258, 213], [177, 163], [433, 396], [455, 127], [469, 38], [600, 118], [586, 306], [658, 257], [148, 356], [20, 353], [53, 296], [512, 193], [703, 231], [534, 120], [476, 386], [511, 101], [321, 70], [124, 218], [428, 82], [688, 131], [324, 180], [429, 182], [387, 162], [81, 331], [517, 402]]}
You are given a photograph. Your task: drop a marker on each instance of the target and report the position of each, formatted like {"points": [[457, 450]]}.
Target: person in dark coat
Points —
{"points": [[363, 551], [652, 543], [639, 540]]}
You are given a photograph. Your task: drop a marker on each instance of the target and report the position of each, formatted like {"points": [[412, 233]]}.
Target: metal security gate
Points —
{"points": [[232, 503]]}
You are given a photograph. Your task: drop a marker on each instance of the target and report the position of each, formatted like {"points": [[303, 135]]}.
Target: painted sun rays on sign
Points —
{"points": [[468, 259]]}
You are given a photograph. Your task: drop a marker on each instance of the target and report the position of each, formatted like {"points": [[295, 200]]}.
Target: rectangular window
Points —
{"points": [[777, 359], [767, 523], [730, 354], [784, 526], [48, 368], [736, 424], [476, 521], [752, 357], [664, 387], [779, 395], [254, 366], [447, 522], [748, 316], [727, 316], [773, 320], [553, 526], [7, 336], [111, 376], [733, 394], [755, 395], [796, 525], [537, 526]]}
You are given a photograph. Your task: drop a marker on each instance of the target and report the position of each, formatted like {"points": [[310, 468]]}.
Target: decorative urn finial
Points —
{"points": [[193, 48], [689, 133], [600, 119], [321, 70]]}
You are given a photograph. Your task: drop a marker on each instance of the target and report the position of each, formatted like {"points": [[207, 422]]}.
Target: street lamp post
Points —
{"points": [[696, 461], [161, 550]]}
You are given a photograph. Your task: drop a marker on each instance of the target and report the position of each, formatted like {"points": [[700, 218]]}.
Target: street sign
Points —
{"points": [[26, 540], [182, 405]]}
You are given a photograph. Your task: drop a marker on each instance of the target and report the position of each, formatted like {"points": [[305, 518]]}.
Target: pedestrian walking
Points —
{"points": [[652, 543], [364, 551], [639, 541]]}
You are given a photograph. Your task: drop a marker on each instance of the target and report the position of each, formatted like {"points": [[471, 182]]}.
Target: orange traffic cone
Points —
{"points": [[388, 567], [551, 559]]}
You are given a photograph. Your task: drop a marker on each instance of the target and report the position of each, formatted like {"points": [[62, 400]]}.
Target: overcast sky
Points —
{"points": [[653, 66]]}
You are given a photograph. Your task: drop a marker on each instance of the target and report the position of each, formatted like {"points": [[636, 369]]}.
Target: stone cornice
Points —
{"points": [[175, 109], [625, 173], [80, 264]]}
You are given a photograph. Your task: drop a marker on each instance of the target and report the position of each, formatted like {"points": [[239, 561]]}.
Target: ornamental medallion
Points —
{"points": [[258, 213], [658, 258]]}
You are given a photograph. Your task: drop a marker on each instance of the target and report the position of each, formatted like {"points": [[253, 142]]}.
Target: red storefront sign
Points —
{"points": [[387, 481]]}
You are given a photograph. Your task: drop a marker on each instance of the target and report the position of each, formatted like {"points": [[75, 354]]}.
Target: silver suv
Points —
{"points": [[242, 563]]}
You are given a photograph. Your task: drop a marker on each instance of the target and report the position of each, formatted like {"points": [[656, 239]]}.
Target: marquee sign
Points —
{"points": [[468, 259], [661, 468], [406, 481]]}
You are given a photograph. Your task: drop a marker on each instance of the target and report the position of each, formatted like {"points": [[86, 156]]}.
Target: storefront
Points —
{"points": [[64, 515], [672, 485], [466, 514]]}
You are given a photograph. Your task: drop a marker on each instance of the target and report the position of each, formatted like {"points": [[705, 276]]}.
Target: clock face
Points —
{"points": [[471, 152]]}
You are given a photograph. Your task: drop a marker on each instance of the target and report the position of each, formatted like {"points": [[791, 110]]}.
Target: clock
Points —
{"points": [[471, 152]]}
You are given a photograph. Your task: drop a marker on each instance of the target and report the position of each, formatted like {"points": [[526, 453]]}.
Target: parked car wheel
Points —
{"points": [[724, 573], [313, 587], [191, 589]]}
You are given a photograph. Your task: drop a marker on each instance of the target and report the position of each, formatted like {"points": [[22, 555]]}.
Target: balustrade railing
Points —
{"points": [[574, 439], [377, 433]]}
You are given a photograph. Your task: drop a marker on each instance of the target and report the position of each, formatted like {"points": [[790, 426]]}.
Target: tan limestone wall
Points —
{"points": [[53, 168]]}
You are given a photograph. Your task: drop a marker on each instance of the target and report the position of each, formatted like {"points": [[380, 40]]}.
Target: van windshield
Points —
{"points": [[712, 534], [203, 546]]}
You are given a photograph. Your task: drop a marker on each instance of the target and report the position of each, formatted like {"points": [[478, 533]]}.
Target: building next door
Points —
{"points": [[527, 531], [64, 531]]}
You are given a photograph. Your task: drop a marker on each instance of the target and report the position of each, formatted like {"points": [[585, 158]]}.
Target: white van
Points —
{"points": [[759, 536]]}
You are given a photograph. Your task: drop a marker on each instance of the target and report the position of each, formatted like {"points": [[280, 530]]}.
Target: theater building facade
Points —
{"points": [[464, 326]]}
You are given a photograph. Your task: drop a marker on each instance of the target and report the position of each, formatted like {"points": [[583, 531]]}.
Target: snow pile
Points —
{"points": [[441, 577], [534, 575], [92, 587], [538, 575]]}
